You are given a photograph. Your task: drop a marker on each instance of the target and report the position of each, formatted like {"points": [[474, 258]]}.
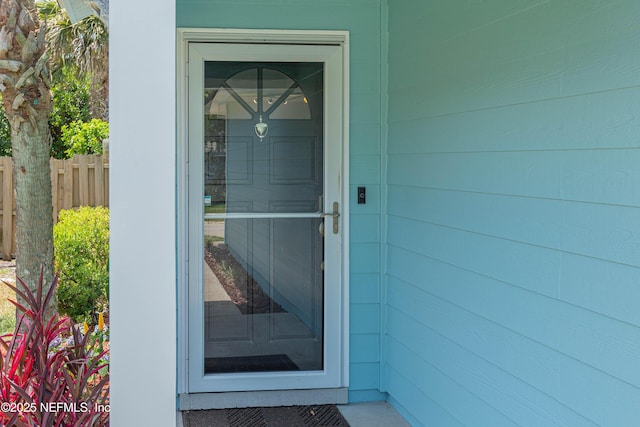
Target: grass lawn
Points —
{"points": [[215, 208]]}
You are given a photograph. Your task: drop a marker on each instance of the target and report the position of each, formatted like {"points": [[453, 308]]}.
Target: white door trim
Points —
{"points": [[190, 35], [234, 35]]}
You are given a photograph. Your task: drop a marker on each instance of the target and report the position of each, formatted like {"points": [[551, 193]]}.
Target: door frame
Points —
{"points": [[336, 393]]}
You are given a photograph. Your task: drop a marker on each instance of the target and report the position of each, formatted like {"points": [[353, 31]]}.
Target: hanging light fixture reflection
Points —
{"points": [[261, 129]]}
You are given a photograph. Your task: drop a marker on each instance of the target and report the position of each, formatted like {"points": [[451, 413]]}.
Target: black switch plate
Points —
{"points": [[362, 195]]}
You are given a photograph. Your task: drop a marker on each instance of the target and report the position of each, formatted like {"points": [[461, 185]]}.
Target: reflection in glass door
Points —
{"points": [[263, 235]]}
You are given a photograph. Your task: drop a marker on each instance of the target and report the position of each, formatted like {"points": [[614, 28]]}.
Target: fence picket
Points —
{"points": [[65, 183], [83, 180], [67, 179], [99, 180], [53, 166]]}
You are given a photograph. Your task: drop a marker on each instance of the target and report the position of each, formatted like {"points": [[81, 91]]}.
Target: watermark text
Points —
{"points": [[53, 407]]}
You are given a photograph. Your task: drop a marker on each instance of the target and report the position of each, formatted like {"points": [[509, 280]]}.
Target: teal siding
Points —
{"points": [[513, 213], [509, 182], [362, 18]]}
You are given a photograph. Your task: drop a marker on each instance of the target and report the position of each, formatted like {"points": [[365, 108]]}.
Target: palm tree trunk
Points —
{"points": [[24, 82], [99, 94], [34, 209]]}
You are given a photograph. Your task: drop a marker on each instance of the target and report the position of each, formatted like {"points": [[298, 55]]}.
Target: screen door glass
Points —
{"points": [[263, 235]]}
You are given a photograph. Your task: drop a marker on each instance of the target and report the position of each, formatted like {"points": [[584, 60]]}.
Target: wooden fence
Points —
{"points": [[81, 181]]}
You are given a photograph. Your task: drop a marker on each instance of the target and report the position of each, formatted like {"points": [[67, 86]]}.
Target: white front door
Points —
{"points": [[265, 217]]}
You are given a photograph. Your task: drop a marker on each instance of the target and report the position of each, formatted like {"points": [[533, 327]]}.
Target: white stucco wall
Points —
{"points": [[143, 302]]}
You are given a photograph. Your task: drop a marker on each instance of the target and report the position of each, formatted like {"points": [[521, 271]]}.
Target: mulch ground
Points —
{"points": [[242, 288]]}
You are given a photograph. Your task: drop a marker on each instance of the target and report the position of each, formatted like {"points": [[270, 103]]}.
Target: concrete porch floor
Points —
{"points": [[368, 414], [372, 414]]}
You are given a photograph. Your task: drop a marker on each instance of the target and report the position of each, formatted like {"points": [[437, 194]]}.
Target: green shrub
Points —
{"points": [[84, 138], [70, 103], [81, 248]]}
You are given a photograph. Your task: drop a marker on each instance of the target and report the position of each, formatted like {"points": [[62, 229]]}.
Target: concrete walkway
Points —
{"points": [[214, 228]]}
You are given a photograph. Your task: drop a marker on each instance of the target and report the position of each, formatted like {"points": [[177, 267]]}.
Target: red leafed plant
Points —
{"points": [[42, 384]]}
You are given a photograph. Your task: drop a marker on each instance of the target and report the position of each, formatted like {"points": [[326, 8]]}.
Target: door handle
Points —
{"points": [[335, 214]]}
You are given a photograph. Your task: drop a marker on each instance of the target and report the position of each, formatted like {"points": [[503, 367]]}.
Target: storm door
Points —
{"points": [[264, 217]]}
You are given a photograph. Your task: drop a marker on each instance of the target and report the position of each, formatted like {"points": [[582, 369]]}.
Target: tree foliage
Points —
{"points": [[70, 104], [78, 59], [84, 138], [85, 46]]}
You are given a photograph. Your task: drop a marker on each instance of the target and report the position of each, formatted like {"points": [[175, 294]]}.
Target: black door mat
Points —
{"points": [[268, 363], [285, 416]]}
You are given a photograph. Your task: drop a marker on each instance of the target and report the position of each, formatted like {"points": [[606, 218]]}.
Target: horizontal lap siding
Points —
{"points": [[513, 217], [362, 19]]}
